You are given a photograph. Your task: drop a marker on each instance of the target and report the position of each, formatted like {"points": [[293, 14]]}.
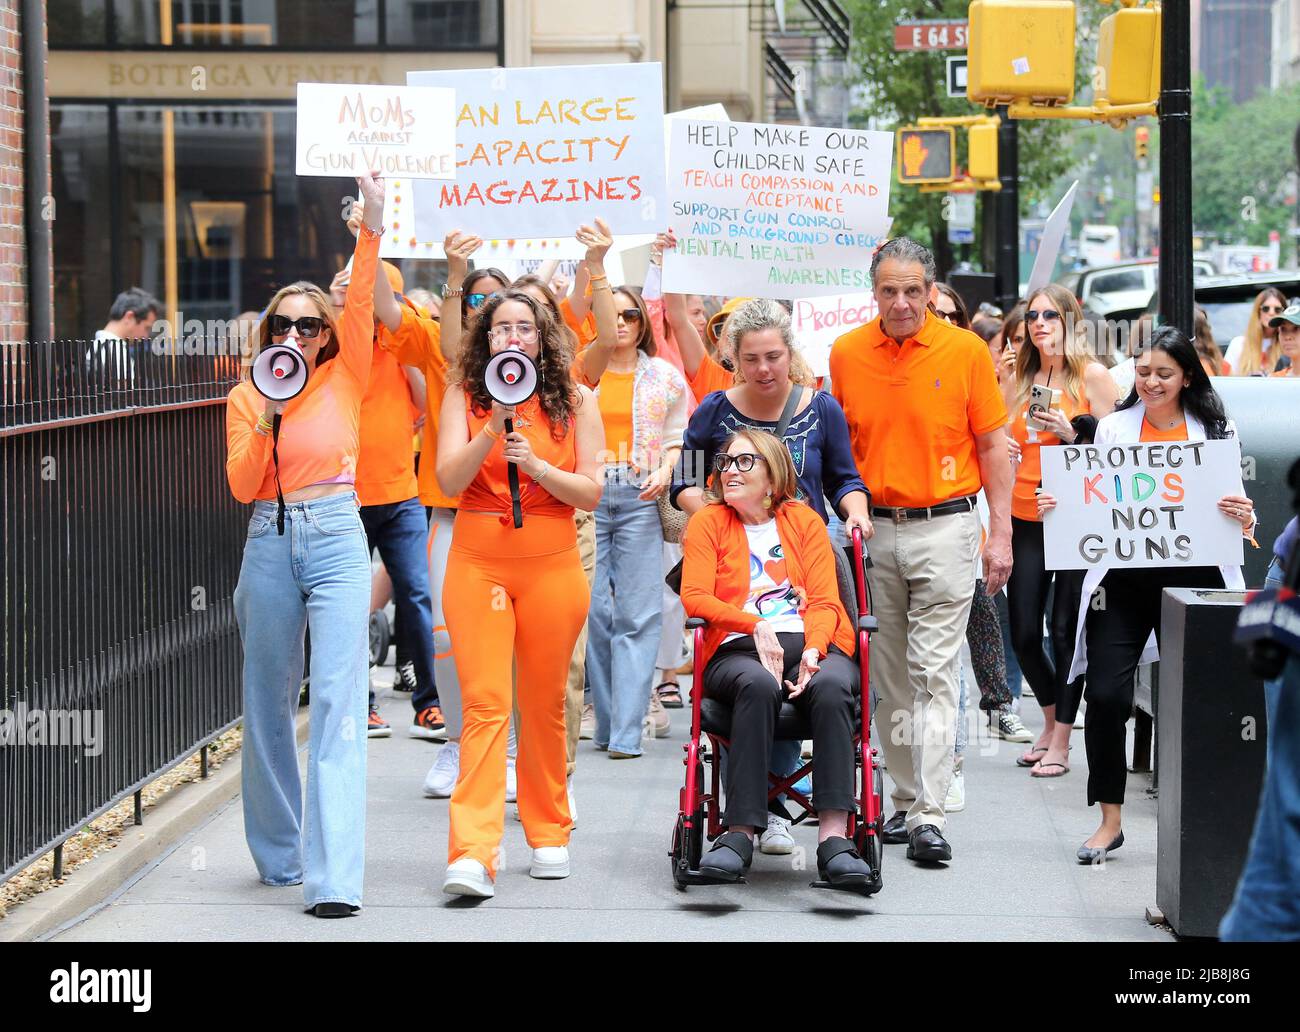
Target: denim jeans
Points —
{"points": [[626, 611], [1267, 904], [400, 531], [317, 573]]}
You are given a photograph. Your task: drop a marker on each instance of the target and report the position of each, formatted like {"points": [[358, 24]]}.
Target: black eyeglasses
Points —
{"points": [[1047, 315], [630, 314], [743, 462], [474, 300], [309, 326]]}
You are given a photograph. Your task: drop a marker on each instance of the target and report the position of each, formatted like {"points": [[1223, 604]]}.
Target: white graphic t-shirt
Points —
{"points": [[770, 595]]}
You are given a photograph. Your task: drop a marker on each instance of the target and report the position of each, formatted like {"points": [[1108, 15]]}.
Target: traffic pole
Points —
{"points": [[1175, 294], [1007, 208]]}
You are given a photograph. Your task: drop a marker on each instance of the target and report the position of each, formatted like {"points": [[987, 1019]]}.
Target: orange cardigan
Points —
{"points": [[715, 576]]}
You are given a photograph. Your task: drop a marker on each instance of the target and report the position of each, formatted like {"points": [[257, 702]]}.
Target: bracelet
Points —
{"points": [[537, 477], [494, 434], [452, 291], [376, 233], [602, 286], [263, 426]]}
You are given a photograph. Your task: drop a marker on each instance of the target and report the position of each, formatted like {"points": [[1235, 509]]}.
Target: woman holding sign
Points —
{"points": [[1171, 400], [1056, 382]]}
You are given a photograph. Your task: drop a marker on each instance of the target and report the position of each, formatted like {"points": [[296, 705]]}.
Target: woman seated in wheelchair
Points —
{"points": [[758, 567]]}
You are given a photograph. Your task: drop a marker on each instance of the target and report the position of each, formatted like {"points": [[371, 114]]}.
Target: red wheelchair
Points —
{"points": [[700, 808]]}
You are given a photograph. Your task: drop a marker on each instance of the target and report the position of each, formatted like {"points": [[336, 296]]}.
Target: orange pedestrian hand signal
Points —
{"points": [[926, 155], [914, 155]]}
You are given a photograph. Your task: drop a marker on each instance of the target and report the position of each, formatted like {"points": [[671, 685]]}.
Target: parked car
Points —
{"points": [[1227, 299], [1127, 285]]}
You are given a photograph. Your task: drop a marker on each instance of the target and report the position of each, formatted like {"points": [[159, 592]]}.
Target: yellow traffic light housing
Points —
{"points": [[1128, 57], [1020, 49], [926, 155], [982, 152]]}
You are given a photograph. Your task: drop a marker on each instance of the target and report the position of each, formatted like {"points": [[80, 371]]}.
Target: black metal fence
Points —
{"points": [[121, 546]]}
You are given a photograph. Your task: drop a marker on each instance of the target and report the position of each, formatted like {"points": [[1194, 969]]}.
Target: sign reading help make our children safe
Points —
{"points": [[780, 211], [347, 130], [1148, 504], [540, 151]]}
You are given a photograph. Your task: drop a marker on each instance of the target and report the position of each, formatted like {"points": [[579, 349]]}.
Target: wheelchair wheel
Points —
{"points": [[687, 848], [380, 637]]}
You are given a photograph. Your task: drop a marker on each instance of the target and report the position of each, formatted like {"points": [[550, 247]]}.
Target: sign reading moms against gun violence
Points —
{"points": [[1141, 504], [346, 130], [779, 211], [540, 151]]}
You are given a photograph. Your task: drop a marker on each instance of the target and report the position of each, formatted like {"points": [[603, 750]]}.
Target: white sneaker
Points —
{"points": [[955, 801], [468, 877], [550, 862], [657, 722], [512, 782], [776, 840], [442, 776]]}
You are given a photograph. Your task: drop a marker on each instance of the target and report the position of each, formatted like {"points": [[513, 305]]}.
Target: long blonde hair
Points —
{"points": [[317, 297], [1252, 350], [764, 314], [1078, 356]]}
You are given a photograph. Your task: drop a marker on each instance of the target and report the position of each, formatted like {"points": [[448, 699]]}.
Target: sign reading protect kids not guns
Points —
{"points": [[1141, 504], [775, 210], [345, 130], [540, 151]]}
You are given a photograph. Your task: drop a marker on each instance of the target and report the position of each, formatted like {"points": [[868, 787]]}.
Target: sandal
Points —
{"points": [[670, 694], [1025, 761], [1037, 771]]}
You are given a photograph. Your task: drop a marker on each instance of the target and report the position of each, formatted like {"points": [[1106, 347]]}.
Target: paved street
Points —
{"points": [[1013, 877]]}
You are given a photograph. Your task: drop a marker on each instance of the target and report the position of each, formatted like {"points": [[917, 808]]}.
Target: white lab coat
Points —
{"points": [[1125, 427]]}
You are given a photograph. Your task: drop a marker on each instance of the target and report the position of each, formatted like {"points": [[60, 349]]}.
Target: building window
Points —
{"points": [[437, 24], [77, 23], [82, 226]]}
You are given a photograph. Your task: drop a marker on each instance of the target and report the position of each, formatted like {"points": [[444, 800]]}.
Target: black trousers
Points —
{"points": [[1027, 602], [1121, 616], [737, 677]]}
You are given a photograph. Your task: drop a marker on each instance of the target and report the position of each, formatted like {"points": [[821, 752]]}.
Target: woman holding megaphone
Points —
{"points": [[293, 438], [515, 585]]}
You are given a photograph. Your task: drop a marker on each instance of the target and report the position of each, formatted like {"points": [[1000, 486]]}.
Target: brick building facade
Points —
{"points": [[13, 266]]}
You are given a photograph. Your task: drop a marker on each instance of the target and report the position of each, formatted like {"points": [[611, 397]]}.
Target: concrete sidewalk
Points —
{"points": [[1014, 875]]}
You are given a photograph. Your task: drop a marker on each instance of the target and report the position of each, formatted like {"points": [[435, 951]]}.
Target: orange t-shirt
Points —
{"points": [[320, 431], [709, 377], [914, 410], [490, 489], [615, 399], [418, 342], [585, 328], [1024, 501], [386, 465], [1154, 433]]}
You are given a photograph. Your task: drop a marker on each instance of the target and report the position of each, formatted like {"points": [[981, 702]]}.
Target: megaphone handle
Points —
{"points": [[275, 458], [512, 474]]}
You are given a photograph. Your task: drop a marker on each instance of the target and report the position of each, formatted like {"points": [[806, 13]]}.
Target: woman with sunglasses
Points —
{"points": [[947, 304], [1057, 356], [759, 568], [1252, 353], [306, 565], [1172, 400], [517, 594], [643, 408]]}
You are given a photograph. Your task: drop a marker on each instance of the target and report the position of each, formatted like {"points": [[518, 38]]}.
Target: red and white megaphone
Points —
{"points": [[510, 377], [280, 372]]}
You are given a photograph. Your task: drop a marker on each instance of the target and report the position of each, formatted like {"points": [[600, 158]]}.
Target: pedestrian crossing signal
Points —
{"points": [[926, 155]]}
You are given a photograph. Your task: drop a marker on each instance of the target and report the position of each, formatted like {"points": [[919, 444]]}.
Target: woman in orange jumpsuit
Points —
{"points": [[514, 592]]}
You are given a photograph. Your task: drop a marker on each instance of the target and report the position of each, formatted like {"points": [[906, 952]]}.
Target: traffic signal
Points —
{"points": [[1142, 142], [982, 152], [1128, 56], [1020, 49], [926, 155]]}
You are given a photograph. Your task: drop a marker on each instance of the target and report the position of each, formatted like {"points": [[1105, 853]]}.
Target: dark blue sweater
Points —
{"points": [[817, 438]]}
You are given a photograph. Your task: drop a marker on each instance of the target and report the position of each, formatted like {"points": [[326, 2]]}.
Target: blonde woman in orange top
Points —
{"points": [[515, 594], [1055, 355], [306, 564]]}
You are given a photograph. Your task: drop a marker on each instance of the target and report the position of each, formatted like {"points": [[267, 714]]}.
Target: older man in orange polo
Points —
{"points": [[926, 420]]}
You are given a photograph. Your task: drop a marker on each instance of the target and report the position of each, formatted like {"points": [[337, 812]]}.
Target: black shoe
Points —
{"points": [[404, 678], [729, 858], [925, 843], [894, 833], [1096, 854], [841, 867], [334, 910]]}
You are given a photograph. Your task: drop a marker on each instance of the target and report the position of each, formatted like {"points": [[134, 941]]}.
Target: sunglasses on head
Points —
{"points": [[308, 326], [1046, 314], [630, 314], [743, 462]]}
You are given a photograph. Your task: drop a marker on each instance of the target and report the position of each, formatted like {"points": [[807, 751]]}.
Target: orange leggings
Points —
{"points": [[512, 594]]}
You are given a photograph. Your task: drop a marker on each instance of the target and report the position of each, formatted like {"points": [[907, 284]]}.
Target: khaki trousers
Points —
{"points": [[578, 664], [922, 582]]}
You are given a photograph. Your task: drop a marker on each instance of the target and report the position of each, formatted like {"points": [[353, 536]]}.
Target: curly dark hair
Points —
{"points": [[557, 393]]}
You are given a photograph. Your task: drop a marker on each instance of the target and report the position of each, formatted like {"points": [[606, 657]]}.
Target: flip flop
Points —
{"points": [[1022, 762], [1035, 773], [672, 696]]}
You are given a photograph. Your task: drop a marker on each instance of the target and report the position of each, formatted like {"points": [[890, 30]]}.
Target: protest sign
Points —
{"points": [[347, 130], [514, 267], [775, 210], [817, 321], [540, 151], [1148, 504]]}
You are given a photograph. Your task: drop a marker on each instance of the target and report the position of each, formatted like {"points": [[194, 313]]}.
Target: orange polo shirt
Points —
{"points": [[915, 409], [386, 465], [709, 377]]}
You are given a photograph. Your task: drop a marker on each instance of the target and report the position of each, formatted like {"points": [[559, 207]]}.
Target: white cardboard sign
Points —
{"points": [[781, 211], [1146, 504], [817, 321], [401, 131]]}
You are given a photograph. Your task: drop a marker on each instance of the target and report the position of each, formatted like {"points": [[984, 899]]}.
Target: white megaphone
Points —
{"points": [[510, 377], [280, 372]]}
